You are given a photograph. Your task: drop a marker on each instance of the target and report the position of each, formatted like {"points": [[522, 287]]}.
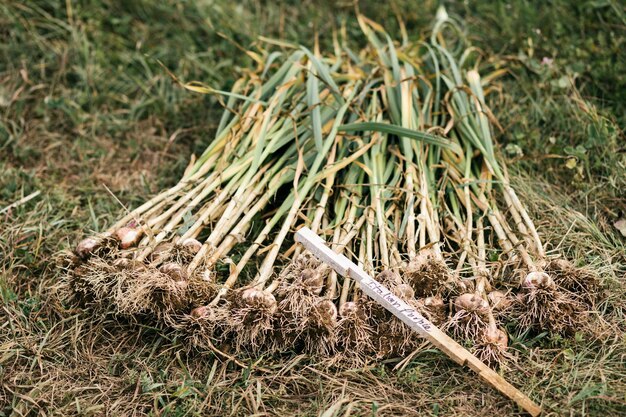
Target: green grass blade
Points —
{"points": [[402, 132]]}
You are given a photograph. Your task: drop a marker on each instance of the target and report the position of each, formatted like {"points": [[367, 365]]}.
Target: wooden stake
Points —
{"points": [[412, 318]]}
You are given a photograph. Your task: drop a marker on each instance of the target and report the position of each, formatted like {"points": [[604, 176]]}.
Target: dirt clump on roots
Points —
{"points": [[391, 336], [107, 273], [580, 281], [301, 285], [251, 317], [319, 334], [204, 326], [355, 335], [469, 317], [549, 308], [434, 308], [304, 314], [428, 275], [163, 292], [492, 347]]}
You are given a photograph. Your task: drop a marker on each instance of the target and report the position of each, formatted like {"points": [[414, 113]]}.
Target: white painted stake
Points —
{"points": [[343, 266]]}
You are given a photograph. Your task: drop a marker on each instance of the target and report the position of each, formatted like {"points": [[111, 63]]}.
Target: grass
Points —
{"points": [[84, 104]]}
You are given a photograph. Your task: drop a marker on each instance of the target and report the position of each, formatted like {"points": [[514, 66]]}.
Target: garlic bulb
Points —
{"points": [[193, 245], [128, 236], [85, 247]]}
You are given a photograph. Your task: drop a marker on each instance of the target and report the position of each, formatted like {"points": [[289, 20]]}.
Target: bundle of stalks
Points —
{"points": [[481, 202], [161, 257], [389, 155]]}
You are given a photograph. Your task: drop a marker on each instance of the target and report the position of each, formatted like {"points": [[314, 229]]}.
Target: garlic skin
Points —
{"points": [[537, 279], [122, 263], [161, 252], [181, 285], [434, 301], [128, 236], [251, 295], [497, 337], [193, 245], [200, 312], [347, 309], [208, 275], [405, 291], [86, 247], [387, 277], [269, 302], [327, 310], [174, 270], [498, 300], [312, 280], [472, 303], [260, 299], [350, 309]]}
